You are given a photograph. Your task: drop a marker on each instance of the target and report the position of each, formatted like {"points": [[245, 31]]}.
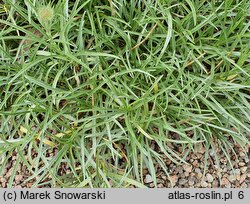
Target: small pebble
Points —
{"points": [[3, 185], [159, 180], [191, 181], [160, 185], [243, 178], [242, 154], [2, 179], [204, 184], [243, 169], [199, 175], [232, 178], [224, 181], [244, 185], [197, 170], [164, 177], [174, 179], [179, 169], [18, 179], [241, 164], [246, 159], [183, 181], [210, 178], [238, 177], [195, 163], [151, 185], [188, 168], [225, 170], [215, 184], [211, 152], [148, 179], [216, 167], [228, 185]]}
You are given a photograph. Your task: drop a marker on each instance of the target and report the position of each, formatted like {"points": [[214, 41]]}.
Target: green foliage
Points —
{"points": [[101, 81]]}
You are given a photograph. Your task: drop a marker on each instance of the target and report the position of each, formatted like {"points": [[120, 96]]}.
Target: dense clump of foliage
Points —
{"points": [[101, 81]]}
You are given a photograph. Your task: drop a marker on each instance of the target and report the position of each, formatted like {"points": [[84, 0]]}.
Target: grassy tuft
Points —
{"points": [[100, 82]]}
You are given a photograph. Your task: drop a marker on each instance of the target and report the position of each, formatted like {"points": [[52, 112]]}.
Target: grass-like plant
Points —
{"points": [[100, 82]]}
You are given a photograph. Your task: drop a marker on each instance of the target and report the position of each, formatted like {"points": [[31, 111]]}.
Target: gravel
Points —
{"points": [[204, 184], [216, 175], [243, 169], [182, 181], [210, 178], [191, 181], [21, 174], [232, 178], [186, 175], [148, 179]]}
